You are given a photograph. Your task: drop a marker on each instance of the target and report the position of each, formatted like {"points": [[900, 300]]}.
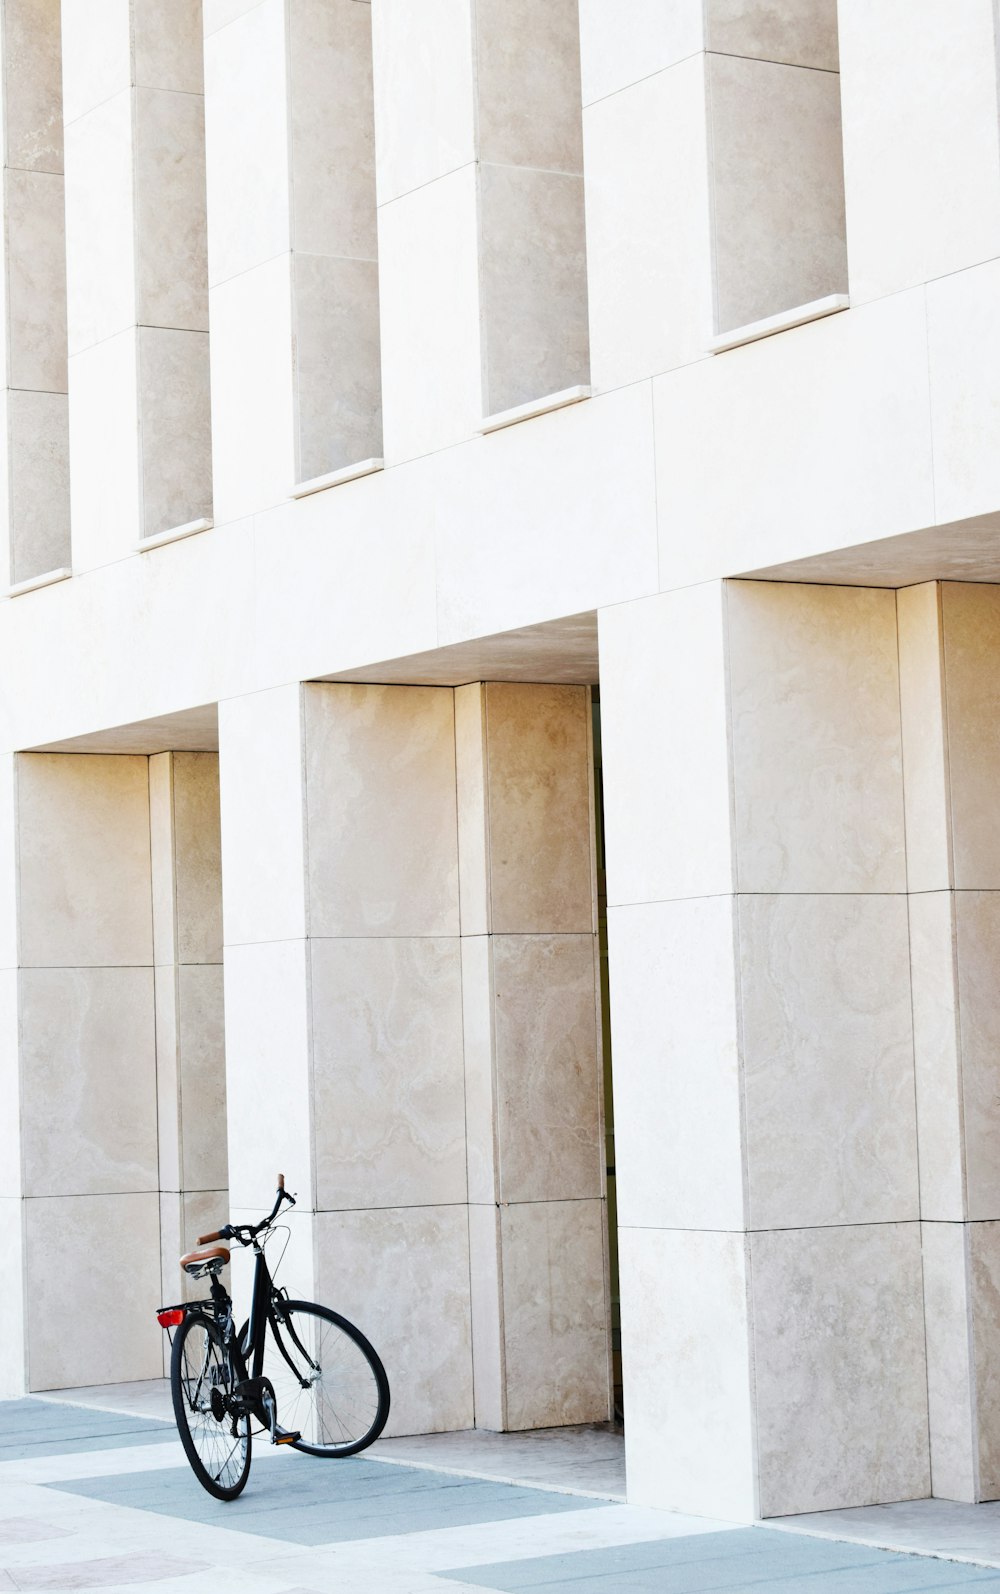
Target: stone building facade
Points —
{"points": [[495, 493]]}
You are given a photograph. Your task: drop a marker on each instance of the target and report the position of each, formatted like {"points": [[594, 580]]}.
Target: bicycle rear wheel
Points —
{"points": [[328, 1381], [201, 1379]]}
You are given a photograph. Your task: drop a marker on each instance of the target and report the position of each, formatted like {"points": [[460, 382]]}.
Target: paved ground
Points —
{"points": [[101, 1499]]}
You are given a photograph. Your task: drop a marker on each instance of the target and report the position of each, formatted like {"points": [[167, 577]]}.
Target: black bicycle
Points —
{"points": [[314, 1367]]}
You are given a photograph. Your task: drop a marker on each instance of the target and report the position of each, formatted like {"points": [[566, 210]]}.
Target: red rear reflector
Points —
{"points": [[170, 1319]]}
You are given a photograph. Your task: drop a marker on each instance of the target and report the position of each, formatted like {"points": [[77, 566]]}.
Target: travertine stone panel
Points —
{"points": [[93, 1345], [377, 1268], [168, 45], [387, 867], [618, 48], [262, 816], [168, 1090], [686, 1362], [921, 162], [32, 88], [424, 92], [473, 809], [389, 1108], [674, 1034], [816, 738], [937, 1056], [174, 420], [796, 32], [777, 187], [972, 683], [198, 863], [555, 1313], [963, 336], [13, 1371], [332, 129], [950, 1386], [8, 861], [922, 710], [488, 1370], [528, 84], [548, 1068], [984, 1245], [171, 249], [88, 1124], [479, 1034], [977, 923], [36, 281], [841, 1383], [38, 482], [339, 410], [83, 841], [664, 711], [202, 1070], [828, 1060], [10, 1087]]}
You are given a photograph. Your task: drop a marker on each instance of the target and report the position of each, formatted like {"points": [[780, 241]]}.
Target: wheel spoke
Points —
{"points": [[334, 1397]]}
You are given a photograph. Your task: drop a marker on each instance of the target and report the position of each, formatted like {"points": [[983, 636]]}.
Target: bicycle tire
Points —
{"points": [[344, 1407], [219, 1457]]}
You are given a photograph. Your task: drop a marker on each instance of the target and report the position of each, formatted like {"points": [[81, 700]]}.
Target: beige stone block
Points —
{"points": [[198, 862], [381, 815], [937, 1056], [253, 426], [984, 1250], [172, 263], [533, 284], [922, 712], [963, 333], [33, 86], [388, 1072], [950, 1386], [487, 1317], [555, 1313], [674, 1029], [375, 1268], [73, 1337], [174, 428], [817, 761], [8, 862], [665, 747], [246, 143], [528, 84], [648, 224], [473, 844], [689, 1444], [83, 835], [14, 1368], [168, 1084], [855, 453], [548, 1070], [36, 281], [332, 128], [840, 1368], [540, 805], [338, 388], [977, 927], [262, 816], [827, 1061], [268, 1061], [100, 251], [621, 44], [38, 477], [202, 1072], [796, 32], [972, 684], [96, 56], [167, 45], [10, 1086], [162, 857], [478, 1015], [424, 92], [88, 1110], [432, 391], [777, 187], [104, 454], [921, 163]]}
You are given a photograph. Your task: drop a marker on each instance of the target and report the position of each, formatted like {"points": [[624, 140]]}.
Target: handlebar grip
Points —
{"points": [[206, 1239], [281, 1181]]}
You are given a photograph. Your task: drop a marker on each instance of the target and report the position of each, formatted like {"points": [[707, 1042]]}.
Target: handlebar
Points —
{"points": [[246, 1233]]}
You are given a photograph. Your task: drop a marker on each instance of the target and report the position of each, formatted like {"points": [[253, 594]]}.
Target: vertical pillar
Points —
{"points": [[34, 481], [950, 684], [13, 1327], [136, 274], [86, 1062], [764, 1119], [292, 247], [713, 171], [532, 1056], [190, 1052], [480, 191]]}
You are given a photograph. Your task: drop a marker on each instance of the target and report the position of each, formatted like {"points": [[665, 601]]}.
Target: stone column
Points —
{"points": [[292, 247], [481, 235], [950, 680], [34, 507], [715, 192], [537, 1218], [772, 1317], [190, 1051], [136, 275]]}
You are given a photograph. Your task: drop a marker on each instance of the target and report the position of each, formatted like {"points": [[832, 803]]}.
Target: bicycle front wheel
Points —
{"points": [[201, 1380], [328, 1381]]}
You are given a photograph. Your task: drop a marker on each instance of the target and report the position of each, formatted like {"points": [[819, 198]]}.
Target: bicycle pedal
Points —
{"points": [[282, 1436]]}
